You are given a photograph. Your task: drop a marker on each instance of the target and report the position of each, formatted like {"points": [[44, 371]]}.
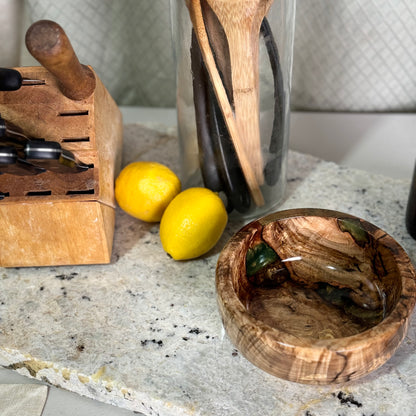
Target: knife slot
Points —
{"points": [[4, 195], [75, 113], [31, 83], [38, 193], [81, 192], [75, 139]]}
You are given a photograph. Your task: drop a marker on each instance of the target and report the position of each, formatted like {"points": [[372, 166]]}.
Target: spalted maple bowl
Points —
{"points": [[315, 296]]}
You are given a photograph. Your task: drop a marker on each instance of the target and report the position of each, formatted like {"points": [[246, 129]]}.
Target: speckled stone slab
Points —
{"points": [[144, 332]]}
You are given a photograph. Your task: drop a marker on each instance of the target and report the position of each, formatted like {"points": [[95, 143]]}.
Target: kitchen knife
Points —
{"points": [[11, 135], [51, 156], [2, 126], [11, 163], [12, 80]]}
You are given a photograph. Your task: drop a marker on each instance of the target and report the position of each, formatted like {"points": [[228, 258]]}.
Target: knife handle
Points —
{"points": [[49, 44]]}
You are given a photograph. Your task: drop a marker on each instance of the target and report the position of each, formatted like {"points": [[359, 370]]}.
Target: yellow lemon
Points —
{"points": [[145, 189], [192, 223]]}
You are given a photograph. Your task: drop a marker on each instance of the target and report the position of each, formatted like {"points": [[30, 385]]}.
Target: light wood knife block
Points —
{"points": [[56, 218]]}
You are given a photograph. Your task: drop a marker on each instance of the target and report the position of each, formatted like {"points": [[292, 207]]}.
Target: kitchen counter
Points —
{"points": [[144, 332]]}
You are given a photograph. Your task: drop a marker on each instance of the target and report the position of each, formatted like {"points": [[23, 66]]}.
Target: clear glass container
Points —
{"points": [[233, 65], [411, 207]]}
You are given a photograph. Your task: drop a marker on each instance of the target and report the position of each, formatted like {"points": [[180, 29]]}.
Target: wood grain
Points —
{"points": [[317, 324], [241, 22]]}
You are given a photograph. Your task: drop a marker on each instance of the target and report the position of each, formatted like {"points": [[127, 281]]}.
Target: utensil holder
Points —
{"points": [[61, 218], [233, 99]]}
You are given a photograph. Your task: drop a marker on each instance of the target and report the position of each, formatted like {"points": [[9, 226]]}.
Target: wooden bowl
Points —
{"points": [[315, 296]]}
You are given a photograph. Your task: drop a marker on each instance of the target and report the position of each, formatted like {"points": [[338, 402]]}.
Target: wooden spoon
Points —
{"points": [[241, 20], [197, 19]]}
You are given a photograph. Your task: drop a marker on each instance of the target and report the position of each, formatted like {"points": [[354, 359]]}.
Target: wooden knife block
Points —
{"points": [[56, 218]]}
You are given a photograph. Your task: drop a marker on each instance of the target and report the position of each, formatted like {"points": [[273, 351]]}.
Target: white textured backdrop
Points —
{"points": [[350, 55]]}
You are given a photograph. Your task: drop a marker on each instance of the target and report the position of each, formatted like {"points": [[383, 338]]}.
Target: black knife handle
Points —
{"points": [[8, 155], [43, 150], [10, 79], [2, 127]]}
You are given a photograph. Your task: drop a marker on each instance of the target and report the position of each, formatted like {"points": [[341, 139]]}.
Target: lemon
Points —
{"points": [[145, 189], [192, 223]]}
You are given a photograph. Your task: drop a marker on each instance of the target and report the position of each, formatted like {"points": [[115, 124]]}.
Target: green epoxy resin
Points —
{"points": [[259, 257], [353, 227]]}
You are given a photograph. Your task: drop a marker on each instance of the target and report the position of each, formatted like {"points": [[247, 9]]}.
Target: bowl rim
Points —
{"points": [[398, 317]]}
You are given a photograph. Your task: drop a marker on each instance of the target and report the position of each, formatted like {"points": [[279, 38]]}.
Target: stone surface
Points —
{"points": [[144, 332]]}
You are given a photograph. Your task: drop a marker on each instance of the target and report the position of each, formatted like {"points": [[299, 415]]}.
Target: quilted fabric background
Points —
{"points": [[355, 55], [349, 55], [128, 43]]}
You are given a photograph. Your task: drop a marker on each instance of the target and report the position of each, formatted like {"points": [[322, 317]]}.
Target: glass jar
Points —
{"points": [[233, 72], [411, 207]]}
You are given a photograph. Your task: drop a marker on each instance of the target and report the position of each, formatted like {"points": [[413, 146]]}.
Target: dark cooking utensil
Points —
{"points": [[219, 164]]}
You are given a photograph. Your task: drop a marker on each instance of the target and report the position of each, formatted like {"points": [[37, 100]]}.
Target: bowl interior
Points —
{"points": [[317, 277]]}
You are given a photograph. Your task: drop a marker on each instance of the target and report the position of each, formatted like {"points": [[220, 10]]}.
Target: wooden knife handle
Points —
{"points": [[48, 44]]}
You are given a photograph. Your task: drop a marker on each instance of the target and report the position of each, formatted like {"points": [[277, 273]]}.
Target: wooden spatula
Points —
{"points": [[241, 20], [195, 12]]}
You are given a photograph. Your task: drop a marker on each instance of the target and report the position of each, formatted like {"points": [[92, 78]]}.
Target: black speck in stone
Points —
{"points": [[172, 305], [308, 413], [399, 204], [234, 353], [41, 288], [80, 348], [347, 399], [86, 297], [151, 341], [195, 331], [66, 276], [185, 338]]}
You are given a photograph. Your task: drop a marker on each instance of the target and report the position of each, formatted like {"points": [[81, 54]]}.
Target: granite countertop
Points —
{"points": [[144, 332]]}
